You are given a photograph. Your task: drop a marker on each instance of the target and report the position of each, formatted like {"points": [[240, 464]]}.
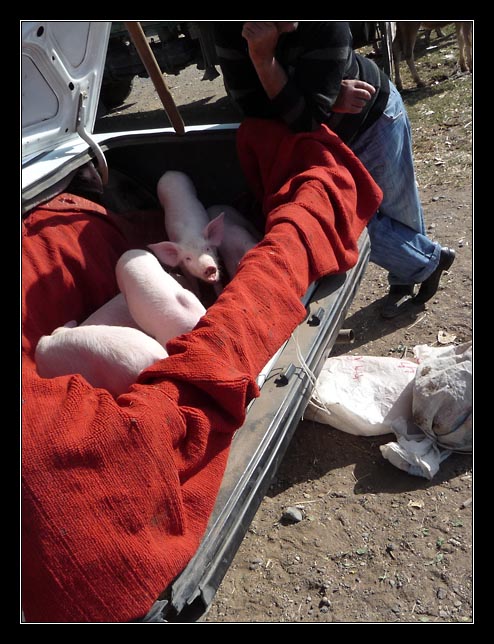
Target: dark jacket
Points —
{"points": [[317, 56]]}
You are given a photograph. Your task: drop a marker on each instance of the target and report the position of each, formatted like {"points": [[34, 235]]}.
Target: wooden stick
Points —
{"points": [[145, 52]]}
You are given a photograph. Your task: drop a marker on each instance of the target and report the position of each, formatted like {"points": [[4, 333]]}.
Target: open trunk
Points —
{"points": [[208, 155]]}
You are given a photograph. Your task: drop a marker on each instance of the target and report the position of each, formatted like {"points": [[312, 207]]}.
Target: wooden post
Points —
{"points": [[145, 52]]}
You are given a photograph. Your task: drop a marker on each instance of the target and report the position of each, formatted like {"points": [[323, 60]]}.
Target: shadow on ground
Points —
{"points": [[317, 449], [199, 112]]}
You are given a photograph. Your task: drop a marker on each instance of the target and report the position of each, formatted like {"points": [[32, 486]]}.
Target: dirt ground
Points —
{"points": [[375, 545]]}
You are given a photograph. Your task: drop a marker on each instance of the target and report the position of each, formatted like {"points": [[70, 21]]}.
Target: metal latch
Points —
{"points": [[316, 318], [98, 152], [285, 376]]}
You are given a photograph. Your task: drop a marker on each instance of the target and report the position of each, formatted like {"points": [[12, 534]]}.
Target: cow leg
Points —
{"points": [[396, 58], [413, 71], [464, 37], [409, 47], [461, 46], [406, 35], [469, 46]]}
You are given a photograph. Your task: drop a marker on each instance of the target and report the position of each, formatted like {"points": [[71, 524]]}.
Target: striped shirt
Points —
{"points": [[316, 57]]}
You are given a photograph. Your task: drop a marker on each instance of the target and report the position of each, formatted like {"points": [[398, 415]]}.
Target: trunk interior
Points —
{"points": [[136, 160]]}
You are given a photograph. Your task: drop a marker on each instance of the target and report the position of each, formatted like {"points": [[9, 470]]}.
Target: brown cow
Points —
{"points": [[404, 43]]}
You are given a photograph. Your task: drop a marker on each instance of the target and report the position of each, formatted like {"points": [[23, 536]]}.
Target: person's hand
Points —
{"points": [[261, 38], [353, 96]]}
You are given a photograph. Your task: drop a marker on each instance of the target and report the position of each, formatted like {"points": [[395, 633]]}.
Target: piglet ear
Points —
{"points": [[167, 252], [214, 230]]}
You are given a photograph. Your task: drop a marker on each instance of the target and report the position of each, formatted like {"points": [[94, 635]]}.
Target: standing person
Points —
{"points": [[307, 73]]}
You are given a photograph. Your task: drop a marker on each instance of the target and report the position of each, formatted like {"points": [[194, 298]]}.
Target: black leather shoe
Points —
{"points": [[429, 287], [398, 301]]}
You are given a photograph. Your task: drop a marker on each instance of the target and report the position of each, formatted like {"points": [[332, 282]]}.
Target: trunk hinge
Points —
{"points": [[98, 152]]}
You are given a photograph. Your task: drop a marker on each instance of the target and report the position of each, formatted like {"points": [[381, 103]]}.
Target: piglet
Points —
{"points": [[156, 301], [114, 313], [239, 236], [110, 357], [193, 239]]}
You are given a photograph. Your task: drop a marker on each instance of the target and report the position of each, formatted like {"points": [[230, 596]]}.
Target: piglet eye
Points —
{"points": [[188, 258]]}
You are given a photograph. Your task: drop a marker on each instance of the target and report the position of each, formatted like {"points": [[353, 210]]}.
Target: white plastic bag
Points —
{"points": [[428, 406], [442, 395], [413, 451], [442, 411], [362, 395]]}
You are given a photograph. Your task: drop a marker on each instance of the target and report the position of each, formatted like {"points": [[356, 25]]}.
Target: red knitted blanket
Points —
{"points": [[117, 493]]}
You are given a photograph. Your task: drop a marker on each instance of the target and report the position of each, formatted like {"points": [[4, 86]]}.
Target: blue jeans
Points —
{"points": [[397, 232]]}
